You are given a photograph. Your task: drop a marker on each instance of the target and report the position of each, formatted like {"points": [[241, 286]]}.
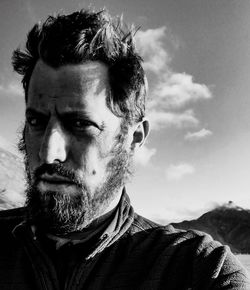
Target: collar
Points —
{"points": [[106, 228], [121, 222]]}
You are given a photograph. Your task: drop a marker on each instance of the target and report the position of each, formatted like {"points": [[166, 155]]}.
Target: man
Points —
{"points": [[85, 92]]}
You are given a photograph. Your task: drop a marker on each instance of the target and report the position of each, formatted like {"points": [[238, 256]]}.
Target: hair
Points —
{"points": [[86, 35]]}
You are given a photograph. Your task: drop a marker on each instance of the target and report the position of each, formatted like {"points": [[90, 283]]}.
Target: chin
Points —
{"points": [[58, 212]]}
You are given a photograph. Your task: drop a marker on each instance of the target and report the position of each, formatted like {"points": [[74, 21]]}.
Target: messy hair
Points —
{"points": [[86, 35]]}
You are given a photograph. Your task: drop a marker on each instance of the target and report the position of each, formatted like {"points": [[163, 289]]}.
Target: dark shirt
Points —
{"points": [[138, 254]]}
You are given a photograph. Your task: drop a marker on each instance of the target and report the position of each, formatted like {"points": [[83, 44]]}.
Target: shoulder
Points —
{"points": [[141, 223], [168, 235], [198, 243], [14, 213], [209, 260], [11, 217]]}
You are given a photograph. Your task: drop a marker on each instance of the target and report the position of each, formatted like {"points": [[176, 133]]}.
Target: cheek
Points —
{"points": [[94, 162], [32, 149]]}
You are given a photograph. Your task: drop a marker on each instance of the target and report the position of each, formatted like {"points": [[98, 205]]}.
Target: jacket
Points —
{"points": [[138, 254]]}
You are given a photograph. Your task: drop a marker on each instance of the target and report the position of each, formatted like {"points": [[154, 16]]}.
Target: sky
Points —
{"points": [[197, 58]]}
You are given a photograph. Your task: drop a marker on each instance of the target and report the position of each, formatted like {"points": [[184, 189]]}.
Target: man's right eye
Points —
{"points": [[36, 123]]}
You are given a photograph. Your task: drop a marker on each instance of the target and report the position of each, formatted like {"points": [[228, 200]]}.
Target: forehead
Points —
{"points": [[70, 87], [91, 76]]}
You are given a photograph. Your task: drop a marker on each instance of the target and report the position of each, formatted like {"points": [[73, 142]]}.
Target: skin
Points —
{"points": [[68, 121]]}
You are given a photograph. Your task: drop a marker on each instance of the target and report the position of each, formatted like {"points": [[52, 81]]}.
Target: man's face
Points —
{"points": [[76, 153]]}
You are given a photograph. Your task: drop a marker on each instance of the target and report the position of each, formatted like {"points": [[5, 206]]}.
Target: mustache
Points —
{"points": [[58, 169]]}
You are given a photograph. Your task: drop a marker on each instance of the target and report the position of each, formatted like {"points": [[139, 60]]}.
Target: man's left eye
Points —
{"points": [[81, 125]]}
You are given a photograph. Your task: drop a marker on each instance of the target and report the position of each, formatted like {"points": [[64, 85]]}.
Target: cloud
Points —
{"points": [[150, 43], [176, 90], [4, 143], [12, 88], [8, 146], [30, 11], [11, 199], [162, 119], [169, 90], [144, 154], [202, 134], [176, 172]]}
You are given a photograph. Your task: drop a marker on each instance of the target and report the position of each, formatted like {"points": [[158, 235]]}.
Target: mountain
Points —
{"points": [[228, 224], [11, 180]]}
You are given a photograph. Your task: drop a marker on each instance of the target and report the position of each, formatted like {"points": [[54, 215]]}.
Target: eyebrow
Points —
{"points": [[30, 111]]}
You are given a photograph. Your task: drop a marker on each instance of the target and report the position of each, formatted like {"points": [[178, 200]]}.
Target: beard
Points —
{"points": [[61, 213]]}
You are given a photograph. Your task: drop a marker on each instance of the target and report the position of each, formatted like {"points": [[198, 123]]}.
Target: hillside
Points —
{"points": [[11, 180], [228, 224]]}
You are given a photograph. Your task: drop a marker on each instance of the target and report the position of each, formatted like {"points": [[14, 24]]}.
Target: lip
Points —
{"points": [[55, 179]]}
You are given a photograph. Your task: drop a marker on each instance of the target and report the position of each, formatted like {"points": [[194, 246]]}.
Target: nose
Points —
{"points": [[54, 145]]}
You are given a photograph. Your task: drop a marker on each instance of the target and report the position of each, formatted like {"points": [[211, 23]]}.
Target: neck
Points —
{"points": [[107, 212], [100, 221]]}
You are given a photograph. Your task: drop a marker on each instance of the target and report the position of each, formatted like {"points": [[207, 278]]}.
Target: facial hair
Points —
{"points": [[60, 213]]}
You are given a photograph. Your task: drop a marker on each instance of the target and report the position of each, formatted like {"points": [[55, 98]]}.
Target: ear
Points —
{"points": [[140, 133]]}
